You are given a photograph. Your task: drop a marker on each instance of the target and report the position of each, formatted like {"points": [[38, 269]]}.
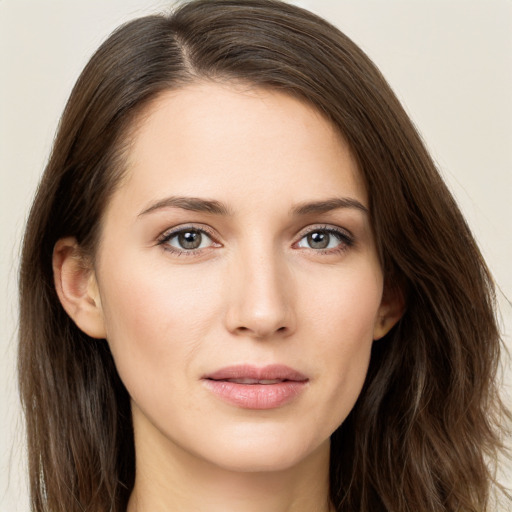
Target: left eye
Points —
{"points": [[188, 240], [321, 239]]}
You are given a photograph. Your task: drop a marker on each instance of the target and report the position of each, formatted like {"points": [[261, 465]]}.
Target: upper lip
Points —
{"points": [[269, 372]]}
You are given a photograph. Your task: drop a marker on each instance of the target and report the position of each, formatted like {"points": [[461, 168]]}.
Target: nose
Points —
{"points": [[261, 295]]}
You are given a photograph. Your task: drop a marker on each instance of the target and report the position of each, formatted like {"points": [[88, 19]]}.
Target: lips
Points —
{"points": [[251, 387], [270, 372]]}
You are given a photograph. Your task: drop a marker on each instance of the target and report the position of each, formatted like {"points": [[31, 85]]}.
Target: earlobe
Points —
{"points": [[391, 310], [76, 286]]}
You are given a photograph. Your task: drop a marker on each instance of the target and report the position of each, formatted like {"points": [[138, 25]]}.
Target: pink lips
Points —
{"points": [[250, 387]]}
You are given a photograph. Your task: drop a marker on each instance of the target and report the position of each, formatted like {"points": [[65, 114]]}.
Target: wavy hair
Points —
{"points": [[425, 431]]}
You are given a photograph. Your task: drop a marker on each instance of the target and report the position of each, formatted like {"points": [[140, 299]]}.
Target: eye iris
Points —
{"points": [[190, 239], [318, 239]]}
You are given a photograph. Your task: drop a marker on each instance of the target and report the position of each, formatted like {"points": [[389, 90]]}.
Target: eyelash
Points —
{"points": [[345, 239], [164, 239]]}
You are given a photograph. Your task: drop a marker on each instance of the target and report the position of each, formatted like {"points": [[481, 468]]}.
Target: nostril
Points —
{"points": [[245, 330]]}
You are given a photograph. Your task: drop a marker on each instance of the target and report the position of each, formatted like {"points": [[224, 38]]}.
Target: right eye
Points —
{"points": [[186, 240]]}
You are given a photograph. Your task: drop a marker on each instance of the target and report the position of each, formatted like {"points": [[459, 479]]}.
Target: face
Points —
{"points": [[238, 281]]}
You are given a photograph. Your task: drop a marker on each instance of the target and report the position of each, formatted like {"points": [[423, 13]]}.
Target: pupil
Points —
{"points": [[189, 239], [318, 240]]}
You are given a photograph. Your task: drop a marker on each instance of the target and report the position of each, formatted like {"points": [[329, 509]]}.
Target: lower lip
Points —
{"points": [[256, 396]]}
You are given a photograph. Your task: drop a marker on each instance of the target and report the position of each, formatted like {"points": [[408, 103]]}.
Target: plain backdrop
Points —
{"points": [[450, 62]]}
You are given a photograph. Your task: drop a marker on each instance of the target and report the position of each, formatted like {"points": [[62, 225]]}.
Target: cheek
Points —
{"points": [[344, 304], [155, 318], [342, 319]]}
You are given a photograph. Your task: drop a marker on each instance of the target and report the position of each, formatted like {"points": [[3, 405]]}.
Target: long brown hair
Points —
{"points": [[425, 430]]}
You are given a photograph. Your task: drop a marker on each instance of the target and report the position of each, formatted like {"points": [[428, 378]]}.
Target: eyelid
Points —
{"points": [[169, 233], [345, 237], [325, 227]]}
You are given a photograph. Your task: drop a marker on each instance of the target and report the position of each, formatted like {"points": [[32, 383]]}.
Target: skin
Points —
{"points": [[255, 292]]}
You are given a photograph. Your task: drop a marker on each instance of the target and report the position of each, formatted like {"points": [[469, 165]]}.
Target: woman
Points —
{"points": [[244, 285]]}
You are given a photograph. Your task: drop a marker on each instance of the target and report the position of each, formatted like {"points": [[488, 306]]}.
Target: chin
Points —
{"points": [[264, 453]]}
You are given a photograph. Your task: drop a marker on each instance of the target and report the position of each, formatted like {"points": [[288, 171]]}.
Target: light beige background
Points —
{"points": [[450, 62]]}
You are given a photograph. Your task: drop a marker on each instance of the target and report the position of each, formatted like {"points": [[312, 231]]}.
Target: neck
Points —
{"points": [[169, 478]]}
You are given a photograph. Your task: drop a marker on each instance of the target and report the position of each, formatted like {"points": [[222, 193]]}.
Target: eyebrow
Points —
{"points": [[214, 207], [328, 205], [194, 204]]}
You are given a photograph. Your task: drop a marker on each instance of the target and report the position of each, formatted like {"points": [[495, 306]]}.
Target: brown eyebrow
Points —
{"points": [[194, 204], [328, 205], [214, 207]]}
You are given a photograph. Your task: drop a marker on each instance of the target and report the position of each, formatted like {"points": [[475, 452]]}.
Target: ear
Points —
{"points": [[390, 311], [76, 286]]}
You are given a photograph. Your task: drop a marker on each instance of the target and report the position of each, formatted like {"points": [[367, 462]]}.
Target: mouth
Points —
{"points": [[247, 374], [254, 381], [251, 387]]}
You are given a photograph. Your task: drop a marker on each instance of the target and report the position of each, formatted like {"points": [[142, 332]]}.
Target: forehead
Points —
{"points": [[224, 140]]}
